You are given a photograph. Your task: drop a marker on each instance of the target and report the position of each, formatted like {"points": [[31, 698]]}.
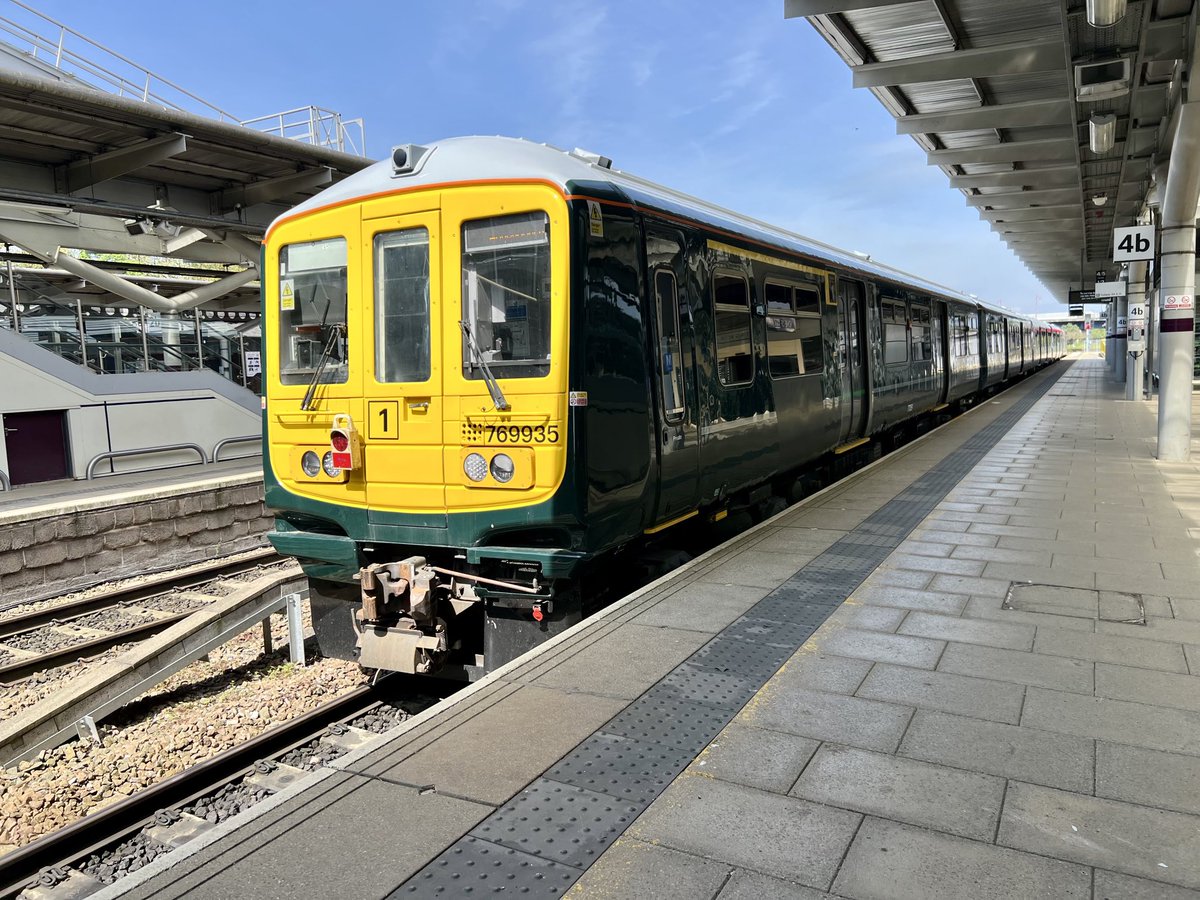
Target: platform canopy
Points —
{"points": [[1009, 99]]}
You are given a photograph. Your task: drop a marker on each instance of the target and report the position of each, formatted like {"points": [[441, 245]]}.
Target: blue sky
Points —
{"points": [[727, 101]]}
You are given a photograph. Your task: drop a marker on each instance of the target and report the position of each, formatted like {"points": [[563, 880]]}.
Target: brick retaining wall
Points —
{"points": [[53, 554]]}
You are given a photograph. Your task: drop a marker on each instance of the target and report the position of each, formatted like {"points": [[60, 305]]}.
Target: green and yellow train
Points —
{"points": [[493, 365]]}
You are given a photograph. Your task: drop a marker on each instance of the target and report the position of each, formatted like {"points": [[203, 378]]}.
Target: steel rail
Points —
{"points": [[23, 667], [26, 666], [164, 583], [116, 823]]}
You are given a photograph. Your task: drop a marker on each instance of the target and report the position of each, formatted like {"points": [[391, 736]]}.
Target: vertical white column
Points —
{"points": [[1177, 289], [1118, 329], [1136, 299]]}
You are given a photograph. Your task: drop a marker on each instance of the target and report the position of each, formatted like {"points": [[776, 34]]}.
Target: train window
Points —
{"points": [[402, 306], [794, 343], [973, 334], [958, 327], [670, 362], [735, 353], [922, 334], [895, 332], [808, 300], [779, 298], [506, 295], [312, 312]]}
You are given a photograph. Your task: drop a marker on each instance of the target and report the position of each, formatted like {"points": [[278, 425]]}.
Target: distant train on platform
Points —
{"points": [[495, 368]]}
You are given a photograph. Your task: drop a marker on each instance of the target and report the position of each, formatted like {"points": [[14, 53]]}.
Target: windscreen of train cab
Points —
{"points": [[506, 294], [312, 312]]}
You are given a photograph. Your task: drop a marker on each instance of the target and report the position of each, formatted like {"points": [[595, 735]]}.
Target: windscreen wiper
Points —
{"points": [[489, 379], [335, 331]]}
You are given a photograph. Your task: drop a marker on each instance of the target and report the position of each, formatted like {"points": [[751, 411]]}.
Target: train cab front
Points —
{"points": [[416, 420]]}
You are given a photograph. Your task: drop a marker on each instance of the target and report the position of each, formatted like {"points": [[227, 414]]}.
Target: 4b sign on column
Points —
{"points": [[1132, 244]]}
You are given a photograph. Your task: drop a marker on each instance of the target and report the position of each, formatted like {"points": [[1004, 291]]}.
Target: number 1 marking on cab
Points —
{"points": [[383, 420]]}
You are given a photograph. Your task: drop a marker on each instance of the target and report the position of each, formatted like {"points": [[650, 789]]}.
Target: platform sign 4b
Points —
{"points": [[1132, 244], [1136, 328]]}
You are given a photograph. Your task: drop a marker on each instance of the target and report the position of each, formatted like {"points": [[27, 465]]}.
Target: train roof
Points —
{"points": [[507, 159]]}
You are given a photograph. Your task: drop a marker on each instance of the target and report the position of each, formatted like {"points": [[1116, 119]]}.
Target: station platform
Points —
{"points": [[970, 670], [61, 536], [52, 498]]}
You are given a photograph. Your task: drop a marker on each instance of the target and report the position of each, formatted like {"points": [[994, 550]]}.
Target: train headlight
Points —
{"points": [[327, 464], [311, 464], [503, 468], [475, 467]]}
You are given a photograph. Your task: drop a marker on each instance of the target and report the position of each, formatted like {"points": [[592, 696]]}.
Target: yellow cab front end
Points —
{"points": [[416, 401]]}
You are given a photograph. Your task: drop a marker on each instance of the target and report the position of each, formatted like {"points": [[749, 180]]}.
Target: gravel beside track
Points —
{"points": [[45, 639], [112, 619], [128, 857], [206, 708], [175, 603]]}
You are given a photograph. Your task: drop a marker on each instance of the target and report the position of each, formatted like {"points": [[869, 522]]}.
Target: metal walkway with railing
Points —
{"points": [[61, 48]]}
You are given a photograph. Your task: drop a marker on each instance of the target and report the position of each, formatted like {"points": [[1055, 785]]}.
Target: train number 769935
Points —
{"points": [[521, 434]]}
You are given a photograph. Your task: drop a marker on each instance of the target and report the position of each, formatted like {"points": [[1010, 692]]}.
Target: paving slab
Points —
{"points": [[828, 717], [532, 724], [853, 642], [904, 790], [783, 837], [745, 885], [867, 617], [1118, 721], [633, 868], [891, 861], [1137, 840], [621, 665], [993, 608], [907, 578], [700, 606], [948, 565], [756, 757], [810, 668], [1115, 886], [1029, 754], [1148, 686], [316, 840], [1148, 777], [999, 701], [1111, 649], [1019, 667], [967, 631], [907, 598]]}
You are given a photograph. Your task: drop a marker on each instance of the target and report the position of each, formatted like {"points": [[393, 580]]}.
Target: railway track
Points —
{"points": [[61, 859], [47, 637]]}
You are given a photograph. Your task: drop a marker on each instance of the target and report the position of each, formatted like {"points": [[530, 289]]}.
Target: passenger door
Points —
{"points": [[852, 339], [402, 427], [677, 409]]}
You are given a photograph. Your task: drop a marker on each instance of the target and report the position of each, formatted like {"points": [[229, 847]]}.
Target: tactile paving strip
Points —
{"points": [[559, 822], [543, 840]]}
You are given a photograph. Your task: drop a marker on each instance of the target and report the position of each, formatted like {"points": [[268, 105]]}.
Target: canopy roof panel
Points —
{"points": [[989, 91]]}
